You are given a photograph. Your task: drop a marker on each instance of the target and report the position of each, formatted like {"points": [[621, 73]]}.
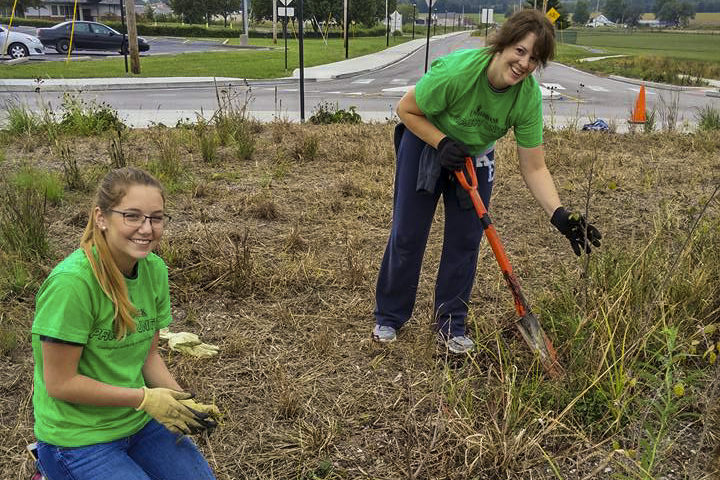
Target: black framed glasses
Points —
{"points": [[136, 220]]}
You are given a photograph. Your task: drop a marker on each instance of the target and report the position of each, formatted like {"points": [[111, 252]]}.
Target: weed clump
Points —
{"points": [[326, 113]]}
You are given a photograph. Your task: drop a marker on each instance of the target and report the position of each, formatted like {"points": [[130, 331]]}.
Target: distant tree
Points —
{"points": [[674, 12], [582, 13], [190, 10], [21, 6], [614, 9], [149, 12], [225, 8], [632, 15], [261, 9]]}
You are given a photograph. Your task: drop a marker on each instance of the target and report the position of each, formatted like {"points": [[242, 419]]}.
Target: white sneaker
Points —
{"points": [[458, 345], [384, 334]]}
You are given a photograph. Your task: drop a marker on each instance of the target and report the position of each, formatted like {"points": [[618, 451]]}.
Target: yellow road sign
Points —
{"points": [[553, 15]]}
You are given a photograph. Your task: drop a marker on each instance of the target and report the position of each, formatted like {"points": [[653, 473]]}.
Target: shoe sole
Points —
{"points": [[383, 340]]}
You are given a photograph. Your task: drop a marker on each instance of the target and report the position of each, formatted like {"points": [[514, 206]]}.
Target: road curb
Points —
{"points": [[661, 86], [140, 85]]}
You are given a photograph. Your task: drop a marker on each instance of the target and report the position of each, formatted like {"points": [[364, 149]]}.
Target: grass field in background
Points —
{"points": [[706, 18], [240, 63], [686, 46]]}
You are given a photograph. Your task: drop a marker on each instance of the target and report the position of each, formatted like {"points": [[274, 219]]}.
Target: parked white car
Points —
{"points": [[19, 45]]}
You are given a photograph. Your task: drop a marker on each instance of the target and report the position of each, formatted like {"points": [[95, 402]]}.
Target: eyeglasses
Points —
{"points": [[134, 219]]}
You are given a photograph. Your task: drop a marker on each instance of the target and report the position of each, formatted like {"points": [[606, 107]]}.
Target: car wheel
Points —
{"points": [[18, 50], [63, 46]]}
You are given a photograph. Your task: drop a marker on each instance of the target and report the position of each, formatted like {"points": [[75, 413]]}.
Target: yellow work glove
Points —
{"points": [[207, 414], [163, 404]]}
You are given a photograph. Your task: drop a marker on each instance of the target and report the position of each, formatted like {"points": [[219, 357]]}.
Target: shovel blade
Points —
{"points": [[534, 335]]}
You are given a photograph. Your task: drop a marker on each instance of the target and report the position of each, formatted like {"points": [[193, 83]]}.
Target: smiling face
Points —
{"points": [[514, 63], [127, 243]]}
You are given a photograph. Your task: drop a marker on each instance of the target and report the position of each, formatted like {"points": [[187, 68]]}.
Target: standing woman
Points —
{"points": [[106, 406], [467, 101]]}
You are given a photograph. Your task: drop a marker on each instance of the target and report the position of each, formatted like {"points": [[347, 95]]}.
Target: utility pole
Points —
{"points": [[427, 43], [132, 37], [245, 19], [274, 22], [124, 32], [387, 28], [345, 26]]}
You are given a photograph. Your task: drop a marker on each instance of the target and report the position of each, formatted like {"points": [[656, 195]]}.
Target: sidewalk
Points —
{"points": [[342, 69]]}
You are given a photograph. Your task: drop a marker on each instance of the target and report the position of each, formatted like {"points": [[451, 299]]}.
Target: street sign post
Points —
{"points": [[285, 12]]}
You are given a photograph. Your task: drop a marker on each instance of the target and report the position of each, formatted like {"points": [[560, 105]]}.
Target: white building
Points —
{"points": [[86, 9], [600, 21]]}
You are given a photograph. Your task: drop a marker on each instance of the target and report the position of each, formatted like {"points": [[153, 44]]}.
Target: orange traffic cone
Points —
{"points": [[638, 113]]}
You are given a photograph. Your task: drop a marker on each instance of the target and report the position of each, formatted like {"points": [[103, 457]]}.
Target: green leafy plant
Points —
{"points": [[326, 113], [87, 118]]}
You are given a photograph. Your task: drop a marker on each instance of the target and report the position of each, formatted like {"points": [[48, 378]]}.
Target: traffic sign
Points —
{"points": [[286, 12], [285, 2], [552, 15]]}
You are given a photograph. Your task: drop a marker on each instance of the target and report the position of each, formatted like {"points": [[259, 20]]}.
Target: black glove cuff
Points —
{"points": [[560, 217], [442, 143]]}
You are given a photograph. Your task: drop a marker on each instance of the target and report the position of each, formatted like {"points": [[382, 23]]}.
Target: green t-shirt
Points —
{"points": [[456, 96], [71, 306]]}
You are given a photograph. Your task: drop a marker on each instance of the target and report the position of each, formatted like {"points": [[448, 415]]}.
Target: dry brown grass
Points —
{"points": [[274, 258]]}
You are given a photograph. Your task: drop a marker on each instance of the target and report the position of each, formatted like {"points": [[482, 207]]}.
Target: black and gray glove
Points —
{"points": [[574, 227], [452, 154]]}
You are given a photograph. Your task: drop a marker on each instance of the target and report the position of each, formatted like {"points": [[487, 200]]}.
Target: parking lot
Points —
{"points": [[158, 46]]}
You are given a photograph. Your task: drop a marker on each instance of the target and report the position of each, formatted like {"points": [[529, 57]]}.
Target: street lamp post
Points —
{"points": [[414, 21], [445, 23], [427, 42], [435, 22]]}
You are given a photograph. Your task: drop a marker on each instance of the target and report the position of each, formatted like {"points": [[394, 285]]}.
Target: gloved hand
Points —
{"points": [[573, 226], [452, 154], [163, 404], [206, 413]]}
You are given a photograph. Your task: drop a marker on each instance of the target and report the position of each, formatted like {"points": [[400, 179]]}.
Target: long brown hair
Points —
{"points": [[112, 189], [518, 25]]}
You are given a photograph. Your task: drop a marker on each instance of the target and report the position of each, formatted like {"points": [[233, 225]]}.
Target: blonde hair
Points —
{"points": [[110, 192]]}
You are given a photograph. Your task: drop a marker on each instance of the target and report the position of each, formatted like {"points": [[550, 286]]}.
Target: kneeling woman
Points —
{"points": [[106, 406]]}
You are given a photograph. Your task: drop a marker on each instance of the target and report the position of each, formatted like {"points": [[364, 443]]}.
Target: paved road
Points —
{"points": [[571, 97]]}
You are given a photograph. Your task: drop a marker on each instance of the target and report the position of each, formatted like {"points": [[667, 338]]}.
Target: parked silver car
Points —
{"points": [[19, 45]]}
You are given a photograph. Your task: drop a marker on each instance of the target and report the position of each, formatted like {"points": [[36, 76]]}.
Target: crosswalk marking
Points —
{"points": [[364, 81], [597, 89], [399, 80], [637, 89]]}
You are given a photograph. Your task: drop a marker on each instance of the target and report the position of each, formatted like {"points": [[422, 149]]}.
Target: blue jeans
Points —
{"points": [[413, 214], [153, 453]]}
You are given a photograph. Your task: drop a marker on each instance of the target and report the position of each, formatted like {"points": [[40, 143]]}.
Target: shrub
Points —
{"points": [[22, 222], [44, 182], [87, 118], [708, 118], [326, 113]]}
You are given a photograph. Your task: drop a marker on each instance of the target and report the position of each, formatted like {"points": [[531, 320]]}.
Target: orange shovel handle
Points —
{"points": [[490, 232]]}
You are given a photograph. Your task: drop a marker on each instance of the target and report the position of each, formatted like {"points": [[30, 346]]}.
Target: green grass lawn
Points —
{"points": [[685, 46], [239, 63]]}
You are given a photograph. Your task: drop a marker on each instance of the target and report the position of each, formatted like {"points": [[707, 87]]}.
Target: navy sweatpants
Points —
{"points": [[412, 216]]}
